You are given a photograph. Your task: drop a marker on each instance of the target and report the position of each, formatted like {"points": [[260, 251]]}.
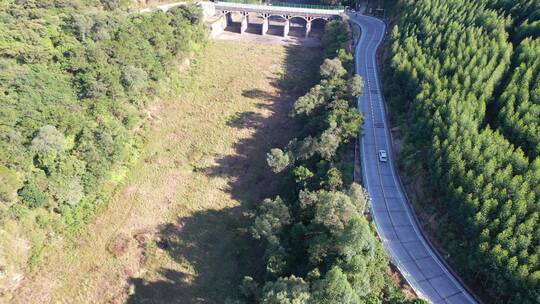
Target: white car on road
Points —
{"points": [[383, 157]]}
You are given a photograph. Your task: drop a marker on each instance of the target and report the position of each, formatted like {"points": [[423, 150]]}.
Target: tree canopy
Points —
{"points": [[447, 74], [75, 79]]}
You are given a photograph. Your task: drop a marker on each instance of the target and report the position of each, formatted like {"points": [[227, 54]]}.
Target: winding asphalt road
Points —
{"points": [[396, 224]]}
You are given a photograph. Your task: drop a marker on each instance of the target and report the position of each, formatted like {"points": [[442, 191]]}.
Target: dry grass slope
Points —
{"points": [[173, 232]]}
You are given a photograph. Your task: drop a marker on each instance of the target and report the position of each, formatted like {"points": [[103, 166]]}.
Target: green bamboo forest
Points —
{"points": [[462, 79]]}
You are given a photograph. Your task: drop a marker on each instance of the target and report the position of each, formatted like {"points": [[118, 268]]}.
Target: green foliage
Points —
{"points": [[520, 101], [74, 82], [309, 102], [9, 184], [32, 196], [302, 174], [334, 288], [336, 36], [277, 160], [526, 15], [332, 68], [447, 63], [356, 85], [290, 290], [359, 197], [273, 215], [319, 246], [333, 179]]}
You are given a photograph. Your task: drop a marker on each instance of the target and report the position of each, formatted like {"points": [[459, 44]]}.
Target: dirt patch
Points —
{"points": [[398, 279], [118, 245]]}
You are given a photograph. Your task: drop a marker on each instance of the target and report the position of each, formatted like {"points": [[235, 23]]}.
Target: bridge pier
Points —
{"points": [[244, 23], [228, 18], [264, 28], [308, 27], [286, 27], [219, 25], [224, 20]]}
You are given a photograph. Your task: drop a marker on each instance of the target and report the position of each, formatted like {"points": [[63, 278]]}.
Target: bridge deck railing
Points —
{"points": [[287, 4]]}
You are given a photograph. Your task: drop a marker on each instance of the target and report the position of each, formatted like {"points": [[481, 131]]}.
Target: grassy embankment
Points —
{"points": [[203, 165]]}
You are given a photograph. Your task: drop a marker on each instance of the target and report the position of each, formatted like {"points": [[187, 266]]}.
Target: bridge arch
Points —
{"points": [[278, 19], [298, 25], [298, 17], [318, 24]]}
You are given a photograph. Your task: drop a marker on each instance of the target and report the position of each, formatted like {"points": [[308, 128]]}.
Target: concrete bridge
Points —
{"points": [[265, 13], [220, 15]]}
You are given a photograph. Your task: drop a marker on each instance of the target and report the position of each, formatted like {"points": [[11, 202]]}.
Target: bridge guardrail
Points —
{"points": [[287, 4]]}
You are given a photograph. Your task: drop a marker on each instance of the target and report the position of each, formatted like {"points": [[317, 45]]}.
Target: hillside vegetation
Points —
{"points": [[318, 245], [453, 64], [74, 82]]}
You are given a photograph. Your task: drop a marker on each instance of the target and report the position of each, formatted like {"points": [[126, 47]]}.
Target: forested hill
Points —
{"points": [[450, 61], [74, 80]]}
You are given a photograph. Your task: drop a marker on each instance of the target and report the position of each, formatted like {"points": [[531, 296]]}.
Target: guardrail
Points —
{"points": [[287, 4]]}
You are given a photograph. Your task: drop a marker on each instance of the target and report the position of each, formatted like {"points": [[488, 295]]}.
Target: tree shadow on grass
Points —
{"points": [[249, 119], [215, 245], [258, 94], [208, 241]]}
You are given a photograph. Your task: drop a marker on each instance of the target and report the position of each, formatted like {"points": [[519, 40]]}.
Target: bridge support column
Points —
{"points": [[224, 20], [219, 26], [244, 23], [264, 28], [286, 27], [228, 18], [308, 27]]}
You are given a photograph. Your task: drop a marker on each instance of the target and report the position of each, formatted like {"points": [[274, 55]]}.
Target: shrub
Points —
{"points": [[48, 139], [277, 160], [9, 184], [32, 196]]}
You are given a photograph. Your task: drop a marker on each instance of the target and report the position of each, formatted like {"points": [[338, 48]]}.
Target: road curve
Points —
{"points": [[396, 224]]}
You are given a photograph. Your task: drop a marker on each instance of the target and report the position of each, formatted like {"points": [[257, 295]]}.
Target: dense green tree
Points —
{"points": [[332, 68], [278, 160], [520, 101], [290, 290], [319, 247], [448, 63], [334, 288], [273, 215], [336, 36], [33, 195], [75, 80], [526, 15]]}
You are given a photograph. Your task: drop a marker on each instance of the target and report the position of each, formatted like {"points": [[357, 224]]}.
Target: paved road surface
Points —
{"points": [[395, 222]]}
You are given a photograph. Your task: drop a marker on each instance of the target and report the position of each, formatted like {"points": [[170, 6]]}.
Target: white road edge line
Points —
{"points": [[390, 157]]}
